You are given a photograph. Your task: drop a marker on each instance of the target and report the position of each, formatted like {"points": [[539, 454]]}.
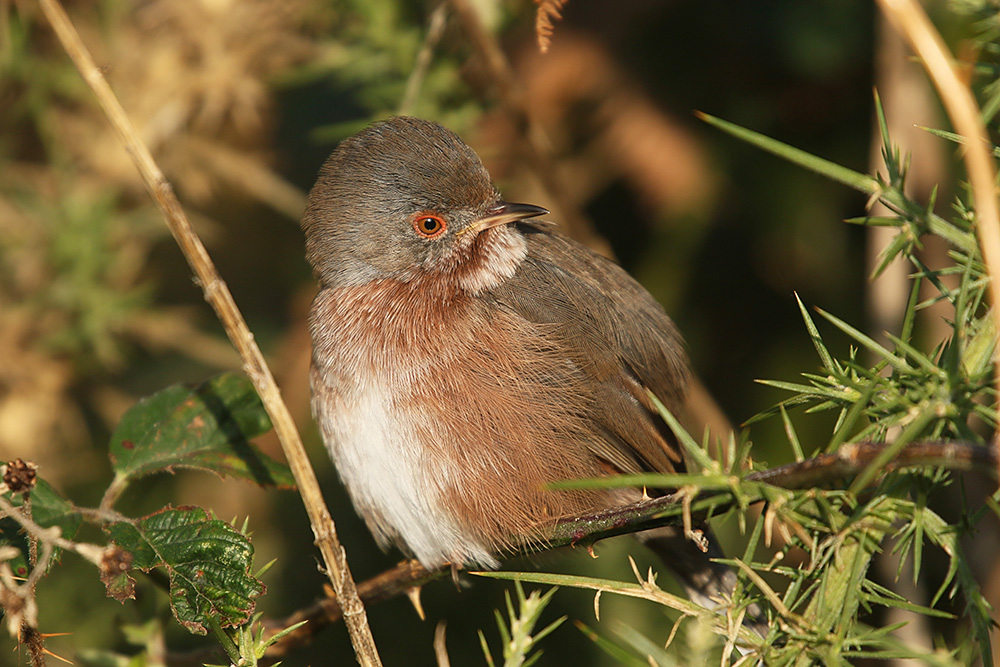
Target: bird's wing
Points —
{"points": [[620, 337]]}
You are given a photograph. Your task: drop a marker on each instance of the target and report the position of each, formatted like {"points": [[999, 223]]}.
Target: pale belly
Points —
{"points": [[394, 483]]}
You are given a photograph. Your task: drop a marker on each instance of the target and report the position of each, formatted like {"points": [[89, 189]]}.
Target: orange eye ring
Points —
{"points": [[429, 225]]}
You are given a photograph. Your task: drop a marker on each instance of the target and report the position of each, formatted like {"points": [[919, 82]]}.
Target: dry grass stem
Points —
{"points": [[911, 20], [218, 296]]}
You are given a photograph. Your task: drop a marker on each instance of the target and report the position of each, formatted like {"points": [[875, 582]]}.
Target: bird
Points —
{"points": [[466, 356]]}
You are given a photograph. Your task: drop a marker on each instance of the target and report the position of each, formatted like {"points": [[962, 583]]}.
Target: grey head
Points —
{"points": [[397, 199]]}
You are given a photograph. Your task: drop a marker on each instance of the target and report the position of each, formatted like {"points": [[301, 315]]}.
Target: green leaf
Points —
{"points": [[626, 588], [655, 653], [793, 437], [874, 221], [845, 427], [48, 509], [809, 390], [890, 152], [207, 427], [206, 560], [888, 598], [978, 610], [955, 138]]}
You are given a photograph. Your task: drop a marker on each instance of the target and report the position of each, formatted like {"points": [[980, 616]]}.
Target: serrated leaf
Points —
{"points": [[48, 509], [207, 561], [207, 427]]}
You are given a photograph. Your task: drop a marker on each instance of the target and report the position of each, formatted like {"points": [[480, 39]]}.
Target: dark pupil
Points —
{"points": [[429, 224]]}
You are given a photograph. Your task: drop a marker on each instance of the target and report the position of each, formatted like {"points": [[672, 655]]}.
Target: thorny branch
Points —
{"points": [[18, 600], [822, 470]]}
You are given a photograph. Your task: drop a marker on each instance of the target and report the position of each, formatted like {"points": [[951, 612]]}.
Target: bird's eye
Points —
{"points": [[429, 225]]}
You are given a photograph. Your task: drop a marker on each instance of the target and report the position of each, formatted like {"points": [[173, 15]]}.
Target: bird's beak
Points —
{"points": [[503, 213]]}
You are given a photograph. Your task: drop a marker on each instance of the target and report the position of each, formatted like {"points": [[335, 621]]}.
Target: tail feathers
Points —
{"points": [[708, 583]]}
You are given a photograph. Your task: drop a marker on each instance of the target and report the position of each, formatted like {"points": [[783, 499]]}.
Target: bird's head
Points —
{"points": [[406, 198]]}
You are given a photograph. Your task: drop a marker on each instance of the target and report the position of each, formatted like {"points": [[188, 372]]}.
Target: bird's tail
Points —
{"points": [[707, 582]]}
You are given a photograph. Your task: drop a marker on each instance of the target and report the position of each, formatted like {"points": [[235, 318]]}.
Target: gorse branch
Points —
{"points": [[518, 634], [957, 98], [716, 495]]}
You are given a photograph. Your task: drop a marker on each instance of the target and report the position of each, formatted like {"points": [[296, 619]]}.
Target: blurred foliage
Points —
{"points": [[241, 101], [373, 56]]}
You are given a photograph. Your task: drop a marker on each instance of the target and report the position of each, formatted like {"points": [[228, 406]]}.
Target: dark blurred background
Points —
{"points": [[241, 101]]}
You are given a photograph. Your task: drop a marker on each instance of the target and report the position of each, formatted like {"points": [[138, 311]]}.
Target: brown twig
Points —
{"points": [[911, 20], [385, 586], [435, 28], [28, 634], [17, 600], [389, 584], [47, 537], [218, 296], [851, 459], [848, 461]]}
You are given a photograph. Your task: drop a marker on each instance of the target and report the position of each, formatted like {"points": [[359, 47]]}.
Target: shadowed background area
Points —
{"points": [[242, 101]]}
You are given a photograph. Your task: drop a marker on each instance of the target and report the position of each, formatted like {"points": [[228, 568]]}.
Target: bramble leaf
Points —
{"points": [[207, 561], [207, 427]]}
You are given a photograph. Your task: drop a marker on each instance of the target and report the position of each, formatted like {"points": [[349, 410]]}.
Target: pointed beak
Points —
{"points": [[503, 213]]}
